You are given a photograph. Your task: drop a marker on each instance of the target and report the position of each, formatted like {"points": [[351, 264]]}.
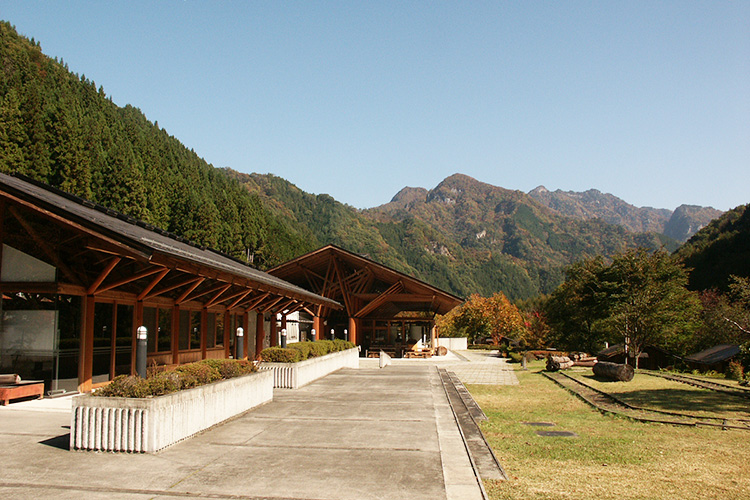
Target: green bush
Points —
{"points": [[280, 355], [303, 347], [182, 377], [515, 357], [199, 373], [341, 345], [318, 348]]}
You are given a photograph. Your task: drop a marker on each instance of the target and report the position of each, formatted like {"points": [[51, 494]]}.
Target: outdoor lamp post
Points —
{"points": [[333, 334], [141, 352], [283, 337], [240, 347], [346, 334], [312, 334]]}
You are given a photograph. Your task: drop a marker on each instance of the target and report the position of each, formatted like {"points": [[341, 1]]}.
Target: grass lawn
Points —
{"points": [[612, 457]]}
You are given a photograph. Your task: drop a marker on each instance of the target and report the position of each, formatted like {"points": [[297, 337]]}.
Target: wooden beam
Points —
{"points": [[103, 275], [162, 291], [379, 301], [255, 302], [215, 298], [153, 283], [134, 277], [211, 290], [239, 299], [342, 284], [187, 292], [269, 306]]}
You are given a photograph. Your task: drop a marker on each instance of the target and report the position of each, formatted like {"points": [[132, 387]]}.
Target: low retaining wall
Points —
{"points": [[454, 343], [295, 375], [148, 425]]}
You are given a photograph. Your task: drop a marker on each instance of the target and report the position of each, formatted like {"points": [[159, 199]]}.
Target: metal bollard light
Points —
{"points": [[312, 334], [346, 334], [141, 353], [333, 334], [283, 338], [240, 343]]}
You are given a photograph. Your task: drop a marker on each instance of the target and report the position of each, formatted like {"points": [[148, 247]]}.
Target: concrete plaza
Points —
{"points": [[355, 434]]}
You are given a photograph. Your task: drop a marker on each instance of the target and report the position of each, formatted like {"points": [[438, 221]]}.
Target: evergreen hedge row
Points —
{"points": [[300, 351], [182, 377]]}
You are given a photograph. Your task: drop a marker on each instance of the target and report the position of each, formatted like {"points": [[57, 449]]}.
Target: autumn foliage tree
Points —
{"points": [[481, 317]]}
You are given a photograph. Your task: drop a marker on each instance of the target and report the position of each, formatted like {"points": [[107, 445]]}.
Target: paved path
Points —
{"points": [[471, 366], [356, 434]]}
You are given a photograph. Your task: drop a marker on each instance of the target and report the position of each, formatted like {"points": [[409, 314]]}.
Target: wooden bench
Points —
{"points": [[21, 389]]}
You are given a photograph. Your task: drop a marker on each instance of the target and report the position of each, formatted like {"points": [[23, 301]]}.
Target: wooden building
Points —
{"points": [[383, 308], [77, 280]]}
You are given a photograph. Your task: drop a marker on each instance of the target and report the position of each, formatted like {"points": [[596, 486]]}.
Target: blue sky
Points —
{"points": [[649, 101]]}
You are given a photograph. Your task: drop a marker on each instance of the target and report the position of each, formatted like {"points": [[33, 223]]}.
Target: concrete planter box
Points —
{"points": [[148, 425], [295, 375]]}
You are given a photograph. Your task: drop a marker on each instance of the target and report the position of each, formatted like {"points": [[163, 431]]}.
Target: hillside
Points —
{"points": [[719, 250], [679, 224], [58, 128]]}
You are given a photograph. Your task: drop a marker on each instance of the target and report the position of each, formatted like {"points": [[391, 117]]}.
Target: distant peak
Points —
{"points": [[539, 190], [409, 194]]}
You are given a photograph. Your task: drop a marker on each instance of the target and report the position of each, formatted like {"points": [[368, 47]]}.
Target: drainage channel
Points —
{"points": [[483, 460]]}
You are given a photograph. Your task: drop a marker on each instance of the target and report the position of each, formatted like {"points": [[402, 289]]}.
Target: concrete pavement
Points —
{"points": [[355, 434]]}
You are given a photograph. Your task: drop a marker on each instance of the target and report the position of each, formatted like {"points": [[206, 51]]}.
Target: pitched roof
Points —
{"points": [[715, 354], [143, 239], [415, 294]]}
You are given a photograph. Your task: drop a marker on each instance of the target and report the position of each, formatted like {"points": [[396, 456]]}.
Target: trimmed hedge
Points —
{"points": [[182, 377], [300, 351]]}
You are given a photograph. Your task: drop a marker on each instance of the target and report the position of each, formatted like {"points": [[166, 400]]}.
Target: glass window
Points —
{"points": [[164, 336], [220, 330], [18, 266], [149, 321], [124, 340], [184, 340], [211, 331], [195, 329], [103, 319]]}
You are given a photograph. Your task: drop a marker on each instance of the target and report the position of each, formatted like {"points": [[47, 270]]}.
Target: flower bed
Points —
{"points": [[293, 375], [149, 424]]}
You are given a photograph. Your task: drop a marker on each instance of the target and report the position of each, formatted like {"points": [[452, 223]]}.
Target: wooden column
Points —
{"points": [[176, 334], [433, 336], [204, 329], [319, 327], [353, 325], [260, 333], [274, 331], [245, 320], [283, 326], [86, 356]]}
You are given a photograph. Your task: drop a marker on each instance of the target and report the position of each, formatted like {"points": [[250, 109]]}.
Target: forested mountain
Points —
{"points": [[679, 224], [463, 236], [57, 127], [719, 250]]}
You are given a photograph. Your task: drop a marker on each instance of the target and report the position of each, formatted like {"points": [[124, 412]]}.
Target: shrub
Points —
{"points": [[280, 355], [199, 373], [341, 345], [318, 348], [186, 376], [484, 347], [735, 371], [303, 347], [515, 357]]}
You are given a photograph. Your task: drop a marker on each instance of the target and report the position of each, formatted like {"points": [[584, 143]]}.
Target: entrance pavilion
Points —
{"points": [[383, 308], [77, 279]]}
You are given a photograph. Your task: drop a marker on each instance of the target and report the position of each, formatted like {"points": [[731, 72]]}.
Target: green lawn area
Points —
{"points": [[612, 457]]}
